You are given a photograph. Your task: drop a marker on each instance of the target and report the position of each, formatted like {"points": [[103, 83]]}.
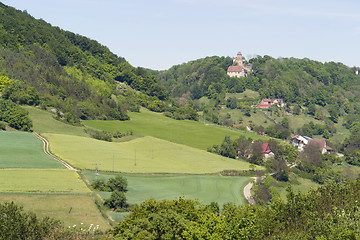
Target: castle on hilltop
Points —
{"points": [[238, 69]]}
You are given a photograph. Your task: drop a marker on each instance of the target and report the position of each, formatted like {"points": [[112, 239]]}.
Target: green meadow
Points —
{"points": [[258, 118], [70, 209], [190, 133], [23, 150], [44, 122], [207, 189], [41, 181], [141, 155]]}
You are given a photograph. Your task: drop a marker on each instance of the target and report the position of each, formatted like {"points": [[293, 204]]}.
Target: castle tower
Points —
{"points": [[239, 59]]}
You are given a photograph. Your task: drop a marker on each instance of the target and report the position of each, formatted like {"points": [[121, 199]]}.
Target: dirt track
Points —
{"points": [[47, 152]]}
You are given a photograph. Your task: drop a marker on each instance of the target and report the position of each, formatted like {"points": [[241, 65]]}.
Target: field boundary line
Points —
{"points": [[47, 151]]}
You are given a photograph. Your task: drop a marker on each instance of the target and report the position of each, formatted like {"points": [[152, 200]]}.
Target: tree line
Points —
{"points": [[329, 212]]}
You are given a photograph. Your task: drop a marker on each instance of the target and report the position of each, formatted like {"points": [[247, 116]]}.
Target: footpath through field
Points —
{"points": [[47, 152]]}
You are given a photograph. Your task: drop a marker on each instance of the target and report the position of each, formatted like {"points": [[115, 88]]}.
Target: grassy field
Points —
{"points": [[297, 121], [190, 133], [302, 185], [257, 118], [44, 122], [83, 208], [220, 189], [247, 93], [141, 155], [41, 181], [23, 150]]}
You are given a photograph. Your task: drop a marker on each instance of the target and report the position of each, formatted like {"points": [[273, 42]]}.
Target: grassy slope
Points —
{"points": [[257, 118], [83, 209], [44, 122], [41, 181], [207, 189], [190, 133], [23, 150], [247, 93], [151, 155]]}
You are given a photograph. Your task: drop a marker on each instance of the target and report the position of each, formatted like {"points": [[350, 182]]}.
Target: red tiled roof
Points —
{"points": [[266, 148], [235, 69]]}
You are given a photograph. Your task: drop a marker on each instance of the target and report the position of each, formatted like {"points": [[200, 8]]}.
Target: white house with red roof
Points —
{"points": [[268, 153]]}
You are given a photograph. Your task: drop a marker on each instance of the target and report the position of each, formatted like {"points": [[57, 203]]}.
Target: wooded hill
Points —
{"points": [[42, 64], [297, 81]]}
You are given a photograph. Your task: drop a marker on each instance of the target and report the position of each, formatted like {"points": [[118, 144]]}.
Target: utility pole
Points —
{"points": [[135, 156], [96, 171]]}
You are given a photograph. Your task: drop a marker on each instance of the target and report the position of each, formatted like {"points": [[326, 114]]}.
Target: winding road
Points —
{"points": [[247, 190], [47, 152]]}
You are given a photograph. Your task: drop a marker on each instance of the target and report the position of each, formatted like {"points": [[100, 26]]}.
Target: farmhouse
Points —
{"points": [[302, 141], [249, 151], [268, 153], [320, 144], [267, 103]]}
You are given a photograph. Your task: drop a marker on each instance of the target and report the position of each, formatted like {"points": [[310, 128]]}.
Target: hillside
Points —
{"points": [[45, 65], [300, 81]]}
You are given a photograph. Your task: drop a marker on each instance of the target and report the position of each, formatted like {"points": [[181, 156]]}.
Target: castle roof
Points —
{"points": [[235, 69]]}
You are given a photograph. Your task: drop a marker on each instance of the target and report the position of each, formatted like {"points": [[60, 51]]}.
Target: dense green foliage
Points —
{"points": [[14, 115], [330, 212], [17, 224], [203, 77], [300, 81], [117, 186], [305, 81], [118, 183], [71, 73]]}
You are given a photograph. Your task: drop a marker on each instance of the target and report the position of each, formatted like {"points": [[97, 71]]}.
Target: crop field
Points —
{"points": [[44, 122], [190, 133], [83, 209], [141, 155], [207, 189], [41, 181], [23, 150]]}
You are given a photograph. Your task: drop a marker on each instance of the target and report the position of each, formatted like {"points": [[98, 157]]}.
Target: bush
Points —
{"points": [[16, 116], [119, 183], [2, 125], [100, 135], [117, 200], [100, 185]]}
